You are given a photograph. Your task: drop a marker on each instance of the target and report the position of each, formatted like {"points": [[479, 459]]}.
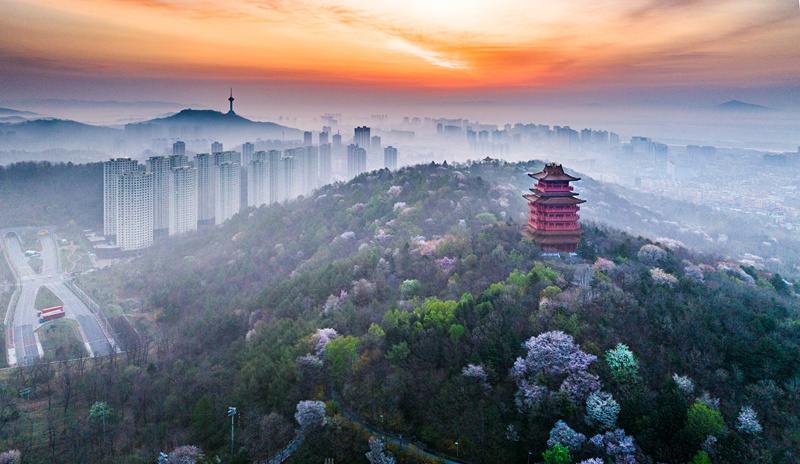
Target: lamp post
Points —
{"points": [[231, 414], [456, 449], [162, 458], [529, 456]]}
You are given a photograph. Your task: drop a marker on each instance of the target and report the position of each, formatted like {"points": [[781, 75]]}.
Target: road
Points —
{"points": [[27, 350]]}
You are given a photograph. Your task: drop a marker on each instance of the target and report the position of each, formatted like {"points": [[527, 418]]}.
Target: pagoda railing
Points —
{"points": [[552, 209], [547, 187], [549, 226], [557, 217]]}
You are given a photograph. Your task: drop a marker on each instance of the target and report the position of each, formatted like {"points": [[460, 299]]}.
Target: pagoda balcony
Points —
{"points": [[548, 187], [551, 226], [558, 217], [553, 209]]}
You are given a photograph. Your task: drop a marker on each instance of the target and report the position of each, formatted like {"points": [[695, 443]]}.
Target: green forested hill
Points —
{"points": [[413, 296]]}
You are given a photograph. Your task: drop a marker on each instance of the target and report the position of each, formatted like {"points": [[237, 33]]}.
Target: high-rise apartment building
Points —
{"points": [[258, 185], [311, 169], [308, 138], [362, 138], [375, 144], [179, 148], [248, 149], [204, 163], [216, 147], [356, 160], [176, 161], [325, 166], [182, 200], [274, 157], [159, 167], [323, 138], [390, 158], [228, 194], [134, 210], [112, 169], [292, 177]]}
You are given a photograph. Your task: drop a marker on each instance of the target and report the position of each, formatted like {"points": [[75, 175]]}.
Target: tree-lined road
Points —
{"points": [[26, 349]]}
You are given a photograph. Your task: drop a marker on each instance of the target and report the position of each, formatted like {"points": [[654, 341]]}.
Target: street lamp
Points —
{"points": [[456, 449], [162, 458], [231, 414], [529, 456]]}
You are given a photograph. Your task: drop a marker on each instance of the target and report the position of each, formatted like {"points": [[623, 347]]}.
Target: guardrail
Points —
{"points": [[99, 316], [8, 320], [288, 449]]}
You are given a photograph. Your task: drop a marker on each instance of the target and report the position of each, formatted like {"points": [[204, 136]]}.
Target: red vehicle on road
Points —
{"points": [[51, 314]]}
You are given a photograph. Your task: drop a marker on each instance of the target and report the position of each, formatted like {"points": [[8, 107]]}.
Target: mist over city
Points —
{"points": [[340, 231]]}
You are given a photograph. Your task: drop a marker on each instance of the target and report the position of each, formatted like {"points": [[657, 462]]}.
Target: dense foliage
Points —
{"points": [[412, 299], [43, 194]]}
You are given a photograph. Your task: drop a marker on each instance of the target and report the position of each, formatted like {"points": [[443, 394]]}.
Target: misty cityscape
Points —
{"points": [[341, 231]]}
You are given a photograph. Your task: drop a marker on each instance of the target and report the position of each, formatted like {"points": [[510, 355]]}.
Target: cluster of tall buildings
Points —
{"points": [[173, 195]]}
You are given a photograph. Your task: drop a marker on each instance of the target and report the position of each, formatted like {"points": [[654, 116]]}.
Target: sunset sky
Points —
{"points": [[183, 50]]}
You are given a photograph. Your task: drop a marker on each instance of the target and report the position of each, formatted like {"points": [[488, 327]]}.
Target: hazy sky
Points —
{"points": [[416, 50]]}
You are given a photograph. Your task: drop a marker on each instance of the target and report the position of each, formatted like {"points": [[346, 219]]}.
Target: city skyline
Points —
{"points": [[410, 51]]}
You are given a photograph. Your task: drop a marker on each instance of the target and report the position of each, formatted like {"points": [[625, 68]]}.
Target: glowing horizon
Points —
{"points": [[409, 45]]}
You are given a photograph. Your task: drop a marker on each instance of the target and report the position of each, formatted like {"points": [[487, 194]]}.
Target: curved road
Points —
{"points": [[27, 349]]}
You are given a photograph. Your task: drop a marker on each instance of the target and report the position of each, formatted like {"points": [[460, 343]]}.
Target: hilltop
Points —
{"points": [[215, 122], [407, 296], [736, 105]]}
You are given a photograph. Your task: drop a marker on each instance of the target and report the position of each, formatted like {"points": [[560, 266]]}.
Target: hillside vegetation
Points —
{"points": [[413, 297]]}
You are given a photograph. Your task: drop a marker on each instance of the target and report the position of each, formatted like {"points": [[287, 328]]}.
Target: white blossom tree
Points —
{"points": [[685, 384], [10, 457], [377, 453], [651, 254], [622, 362], [185, 454], [601, 410], [310, 414], [748, 421]]}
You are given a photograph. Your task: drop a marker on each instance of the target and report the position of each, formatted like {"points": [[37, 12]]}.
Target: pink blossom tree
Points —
{"points": [[555, 357]]}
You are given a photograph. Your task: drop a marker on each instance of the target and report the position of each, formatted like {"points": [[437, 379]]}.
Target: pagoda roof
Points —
{"points": [[542, 193], [553, 172], [553, 239], [552, 200]]}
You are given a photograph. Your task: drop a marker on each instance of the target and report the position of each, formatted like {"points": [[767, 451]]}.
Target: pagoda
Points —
{"points": [[553, 210]]}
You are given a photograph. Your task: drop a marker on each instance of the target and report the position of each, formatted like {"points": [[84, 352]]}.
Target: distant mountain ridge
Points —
{"points": [[736, 105], [11, 112], [213, 122], [45, 134]]}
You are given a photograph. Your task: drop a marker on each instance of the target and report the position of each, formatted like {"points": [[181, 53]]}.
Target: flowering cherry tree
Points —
{"points": [[748, 421], [617, 445], [555, 356], [377, 453], [651, 254], [310, 414], [185, 454], [563, 435], [477, 373], [685, 384], [10, 457], [322, 337]]}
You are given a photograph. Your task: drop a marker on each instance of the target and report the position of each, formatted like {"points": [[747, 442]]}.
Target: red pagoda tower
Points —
{"points": [[554, 207]]}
